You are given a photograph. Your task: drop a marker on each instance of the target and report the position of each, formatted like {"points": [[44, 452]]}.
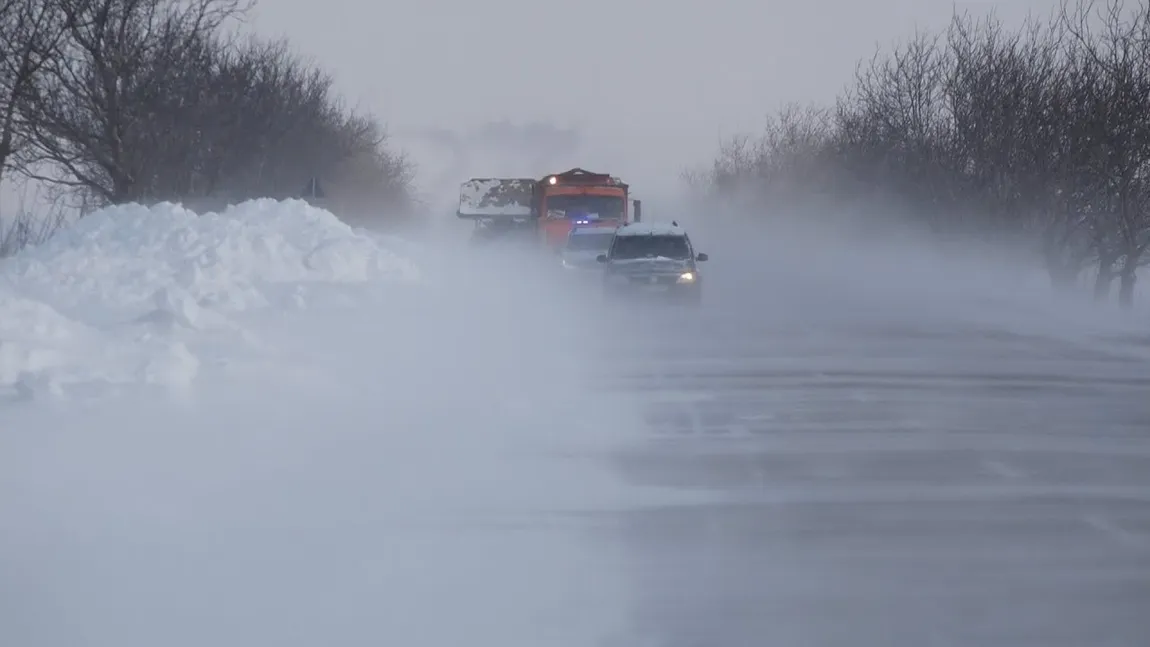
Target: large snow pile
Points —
{"points": [[136, 294], [385, 466]]}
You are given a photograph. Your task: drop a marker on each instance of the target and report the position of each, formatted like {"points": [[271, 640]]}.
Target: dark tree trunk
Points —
{"points": [[1126, 288]]}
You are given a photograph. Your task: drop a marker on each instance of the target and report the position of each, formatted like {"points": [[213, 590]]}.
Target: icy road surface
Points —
{"points": [[903, 458], [263, 428]]}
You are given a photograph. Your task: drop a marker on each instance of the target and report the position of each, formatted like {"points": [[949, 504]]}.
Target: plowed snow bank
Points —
{"points": [[112, 299], [385, 466]]}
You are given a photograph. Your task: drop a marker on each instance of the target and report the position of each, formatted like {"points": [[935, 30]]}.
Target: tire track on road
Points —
{"points": [[897, 500]]}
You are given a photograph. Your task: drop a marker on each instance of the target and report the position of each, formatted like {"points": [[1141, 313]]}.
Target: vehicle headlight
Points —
{"points": [[686, 277]]}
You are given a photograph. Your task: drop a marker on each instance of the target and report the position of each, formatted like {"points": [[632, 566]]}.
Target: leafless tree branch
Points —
{"points": [[1040, 133]]}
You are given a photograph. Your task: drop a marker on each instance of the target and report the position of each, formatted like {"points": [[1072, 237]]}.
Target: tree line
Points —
{"points": [[1040, 133], [114, 101]]}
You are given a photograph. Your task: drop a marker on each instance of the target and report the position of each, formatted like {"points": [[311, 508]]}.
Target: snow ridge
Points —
{"points": [[127, 294]]}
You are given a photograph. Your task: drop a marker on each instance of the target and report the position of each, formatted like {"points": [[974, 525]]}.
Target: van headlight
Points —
{"points": [[686, 277]]}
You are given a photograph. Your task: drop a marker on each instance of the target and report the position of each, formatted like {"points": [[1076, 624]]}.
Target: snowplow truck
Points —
{"points": [[546, 210]]}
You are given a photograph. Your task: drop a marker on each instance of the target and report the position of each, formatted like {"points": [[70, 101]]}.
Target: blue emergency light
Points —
{"points": [[584, 218]]}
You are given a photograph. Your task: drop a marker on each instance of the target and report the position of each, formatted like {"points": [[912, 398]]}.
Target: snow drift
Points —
{"points": [[361, 451], [86, 309]]}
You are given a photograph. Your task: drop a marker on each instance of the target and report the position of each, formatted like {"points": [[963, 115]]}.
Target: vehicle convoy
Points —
{"points": [[652, 259], [546, 210], [584, 245]]}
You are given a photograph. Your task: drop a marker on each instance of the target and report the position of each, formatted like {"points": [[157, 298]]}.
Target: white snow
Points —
{"points": [[477, 198], [96, 305], [650, 229], [265, 428], [261, 427], [647, 260]]}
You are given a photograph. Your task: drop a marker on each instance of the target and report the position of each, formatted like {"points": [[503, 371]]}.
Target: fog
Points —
{"points": [[264, 427], [914, 445], [488, 453], [356, 462], [666, 82]]}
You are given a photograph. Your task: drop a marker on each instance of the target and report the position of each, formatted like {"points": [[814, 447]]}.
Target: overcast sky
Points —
{"points": [[647, 86], [650, 85]]}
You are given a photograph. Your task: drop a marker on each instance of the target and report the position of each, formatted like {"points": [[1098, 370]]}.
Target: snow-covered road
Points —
{"points": [[897, 466], [267, 429]]}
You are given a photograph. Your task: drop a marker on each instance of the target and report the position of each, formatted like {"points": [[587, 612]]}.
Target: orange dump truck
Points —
{"points": [[547, 209]]}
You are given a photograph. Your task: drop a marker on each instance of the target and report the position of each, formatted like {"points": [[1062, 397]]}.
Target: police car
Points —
{"points": [[584, 244]]}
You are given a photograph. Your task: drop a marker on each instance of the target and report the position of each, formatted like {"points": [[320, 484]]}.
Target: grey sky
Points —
{"points": [[651, 85]]}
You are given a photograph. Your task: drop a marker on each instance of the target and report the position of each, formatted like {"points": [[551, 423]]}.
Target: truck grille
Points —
{"points": [[658, 279]]}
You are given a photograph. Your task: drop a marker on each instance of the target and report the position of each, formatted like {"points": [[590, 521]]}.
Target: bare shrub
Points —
{"points": [[1039, 134], [148, 100]]}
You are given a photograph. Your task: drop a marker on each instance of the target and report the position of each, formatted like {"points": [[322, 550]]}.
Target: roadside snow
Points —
{"points": [[348, 459], [103, 303], [650, 229]]}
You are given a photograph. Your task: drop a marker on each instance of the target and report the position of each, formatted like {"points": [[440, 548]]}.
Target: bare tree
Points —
{"points": [[29, 32], [891, 128], [1016, 108], [369, 180], [146, 100], [275, 122], [98, 98], [1040, 134], [1121, 54]]}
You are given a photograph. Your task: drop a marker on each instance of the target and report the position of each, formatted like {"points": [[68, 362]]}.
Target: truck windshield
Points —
{"points": [[590, 207], [629, 247], [590, 242]]}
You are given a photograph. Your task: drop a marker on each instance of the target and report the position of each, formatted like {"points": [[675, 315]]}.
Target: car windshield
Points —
{"points": [[630, 247], [585, 207], [590, 242]]}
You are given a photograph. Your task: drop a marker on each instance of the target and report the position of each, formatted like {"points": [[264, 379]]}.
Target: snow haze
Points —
{"points": [[265, 427], [663, 82]]}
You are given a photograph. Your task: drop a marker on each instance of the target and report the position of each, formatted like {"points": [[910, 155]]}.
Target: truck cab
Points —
{"points": [[549, 208], [580, 198]]}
